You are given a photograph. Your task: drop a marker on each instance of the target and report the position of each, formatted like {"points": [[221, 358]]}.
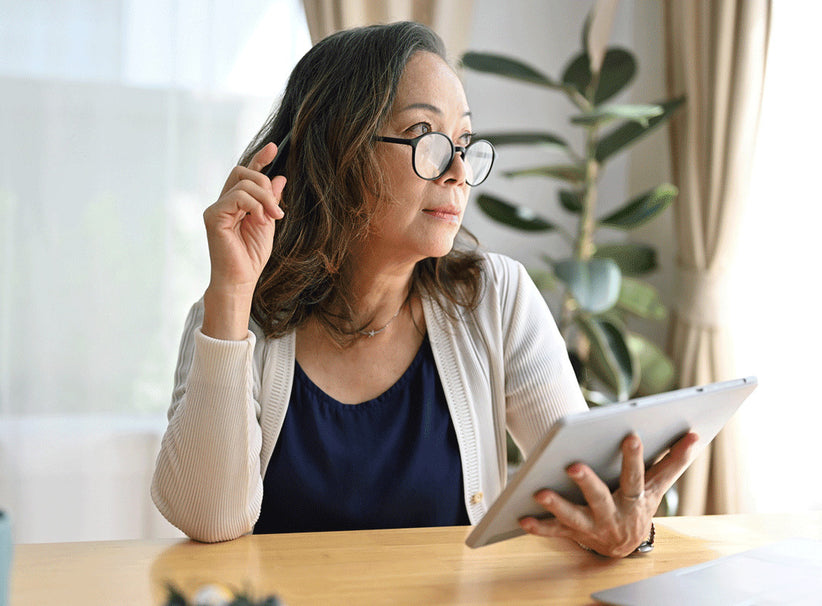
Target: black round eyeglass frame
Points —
{"points": [[455, 149]]}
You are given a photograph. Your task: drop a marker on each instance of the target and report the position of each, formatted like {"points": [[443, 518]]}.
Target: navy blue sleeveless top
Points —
{"points": [[390, 462]]}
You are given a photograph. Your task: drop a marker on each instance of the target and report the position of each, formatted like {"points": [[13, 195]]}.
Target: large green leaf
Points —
{"points": [[609, 359], [512, 215], [621, 136], [491, 63], [571, 200], [593, 283], [544, 280], [641, 299], [643, 208], [595, 398], [526, 138], [657, 372], [565, 172], [514, 453], [633, 259], [602, 114], [618, 69]]}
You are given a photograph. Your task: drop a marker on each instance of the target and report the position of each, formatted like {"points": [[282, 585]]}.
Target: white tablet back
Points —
{"points": [[594, 437]]}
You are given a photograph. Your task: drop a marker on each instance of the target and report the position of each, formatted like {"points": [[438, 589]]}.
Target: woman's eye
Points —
{"points": [[420, 128], [465, 139]]}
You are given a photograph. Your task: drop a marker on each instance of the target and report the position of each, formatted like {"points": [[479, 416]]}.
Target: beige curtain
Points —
{"points": [[715, 52], [451, 19]]}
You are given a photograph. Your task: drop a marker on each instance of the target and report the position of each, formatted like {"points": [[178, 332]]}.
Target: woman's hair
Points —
{"points": [[337, 98]]}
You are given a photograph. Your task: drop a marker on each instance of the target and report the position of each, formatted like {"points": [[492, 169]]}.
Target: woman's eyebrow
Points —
{"points": [[429, 107]]}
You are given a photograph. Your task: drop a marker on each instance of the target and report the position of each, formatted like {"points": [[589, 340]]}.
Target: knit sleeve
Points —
{"points": [[540, 384], [207, 479]]}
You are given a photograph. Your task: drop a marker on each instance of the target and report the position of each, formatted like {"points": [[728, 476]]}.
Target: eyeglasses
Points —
{"points": [[434, 152]]}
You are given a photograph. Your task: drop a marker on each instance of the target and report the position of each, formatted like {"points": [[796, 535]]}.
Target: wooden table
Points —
{"points": [[409, 566]]}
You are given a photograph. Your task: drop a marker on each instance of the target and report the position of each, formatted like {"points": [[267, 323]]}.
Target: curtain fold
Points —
{"points": [[716, 54], [451, 19]]}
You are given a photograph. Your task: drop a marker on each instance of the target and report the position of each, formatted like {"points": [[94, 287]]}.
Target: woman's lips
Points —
{"points": [[451, 215]]}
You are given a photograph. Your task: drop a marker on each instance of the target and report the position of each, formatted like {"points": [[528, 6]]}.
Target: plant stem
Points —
{"points": [[585, 242], [576, 98], [587, 223], [584, 248]]}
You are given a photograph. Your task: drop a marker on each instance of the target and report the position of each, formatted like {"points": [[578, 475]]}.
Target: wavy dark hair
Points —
{"points": [[336, 100]]}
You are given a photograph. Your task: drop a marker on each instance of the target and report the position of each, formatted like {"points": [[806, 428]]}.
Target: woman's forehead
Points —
{"points": [[429, 84]]}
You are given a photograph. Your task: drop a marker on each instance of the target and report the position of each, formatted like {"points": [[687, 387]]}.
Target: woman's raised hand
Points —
{"points": [[613, 524], [240, 229]]}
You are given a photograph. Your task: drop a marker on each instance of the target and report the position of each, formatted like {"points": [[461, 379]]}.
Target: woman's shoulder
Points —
{"points": [[502, 274], [500, 266]]}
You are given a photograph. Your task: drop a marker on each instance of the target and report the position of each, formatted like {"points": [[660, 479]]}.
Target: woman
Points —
{"points": [[349, 365]]}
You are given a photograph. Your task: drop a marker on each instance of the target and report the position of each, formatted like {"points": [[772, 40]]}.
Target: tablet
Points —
{"points": [[594, 437]]}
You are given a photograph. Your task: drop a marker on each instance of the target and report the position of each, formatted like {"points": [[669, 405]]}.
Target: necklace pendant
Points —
{"points": [[371, 333]]}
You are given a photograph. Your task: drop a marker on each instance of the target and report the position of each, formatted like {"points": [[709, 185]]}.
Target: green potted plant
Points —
{"points": [[602, 285]]}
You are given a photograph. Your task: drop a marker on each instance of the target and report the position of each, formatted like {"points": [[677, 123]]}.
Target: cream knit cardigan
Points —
{"points": [[502, 365]]}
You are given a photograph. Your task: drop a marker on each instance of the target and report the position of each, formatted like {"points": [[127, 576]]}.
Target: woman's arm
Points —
{"points": [[207, 480], [540, 388], [540, 385]]}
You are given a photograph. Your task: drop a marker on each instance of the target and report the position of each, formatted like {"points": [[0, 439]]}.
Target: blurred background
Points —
{"points": [[120, 119]]}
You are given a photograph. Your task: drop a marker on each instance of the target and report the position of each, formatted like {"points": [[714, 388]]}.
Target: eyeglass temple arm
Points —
{"points": [[395, 140], [270, 171]]}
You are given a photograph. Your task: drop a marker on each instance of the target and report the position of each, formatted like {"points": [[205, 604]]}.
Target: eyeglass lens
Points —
{"points": [[433, 155], [478, 159]]}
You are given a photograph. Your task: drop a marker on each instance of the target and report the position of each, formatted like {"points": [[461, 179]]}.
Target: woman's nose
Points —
{"points": [[457, 171]]}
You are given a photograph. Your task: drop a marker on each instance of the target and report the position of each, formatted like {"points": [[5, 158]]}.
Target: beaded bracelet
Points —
{"points": [[648, 544]]}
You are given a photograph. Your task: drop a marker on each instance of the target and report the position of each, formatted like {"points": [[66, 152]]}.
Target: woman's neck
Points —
{"points": [[378, 290]]}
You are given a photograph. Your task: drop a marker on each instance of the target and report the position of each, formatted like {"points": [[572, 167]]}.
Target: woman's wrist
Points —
{"points": [[226, 314]]}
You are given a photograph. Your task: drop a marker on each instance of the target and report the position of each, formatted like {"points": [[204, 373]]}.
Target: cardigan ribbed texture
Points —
{"points": [[503, 364]]}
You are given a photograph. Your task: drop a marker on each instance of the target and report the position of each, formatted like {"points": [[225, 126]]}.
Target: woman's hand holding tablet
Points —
{"points": [[598, 477], [613, 524]]}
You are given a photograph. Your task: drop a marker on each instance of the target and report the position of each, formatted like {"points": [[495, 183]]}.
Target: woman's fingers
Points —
{"points": [[632, 475], [596, 492], [252, 172], [248, 204], [663, 474], [277, 186], [264, 194], [233, 207], [566, 513], [550, 527], [263, 157], [615, 524]]}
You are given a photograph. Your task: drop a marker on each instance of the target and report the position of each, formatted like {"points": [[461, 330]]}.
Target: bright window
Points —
{"points": [[776, 323], [120, 122]]}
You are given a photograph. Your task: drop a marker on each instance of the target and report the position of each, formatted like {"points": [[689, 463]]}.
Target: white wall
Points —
{"points": [[546, 34]]}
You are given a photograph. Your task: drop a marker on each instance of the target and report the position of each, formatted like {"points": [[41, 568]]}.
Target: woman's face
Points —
{"points": [[419, 218]]}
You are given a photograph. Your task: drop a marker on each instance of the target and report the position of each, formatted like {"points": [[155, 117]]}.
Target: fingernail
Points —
{"points": [[545, 497], [575, 471]]}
